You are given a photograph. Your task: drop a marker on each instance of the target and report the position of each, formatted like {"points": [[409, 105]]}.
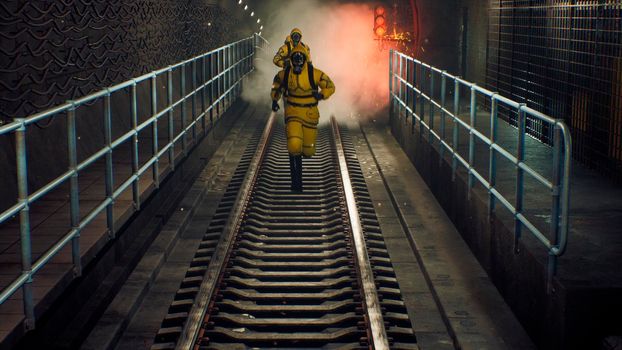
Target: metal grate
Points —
{"points": [[563, 58]]}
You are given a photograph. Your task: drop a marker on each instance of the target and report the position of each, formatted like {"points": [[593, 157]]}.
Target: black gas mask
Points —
{"points": [[298, 60], [296, 38]]}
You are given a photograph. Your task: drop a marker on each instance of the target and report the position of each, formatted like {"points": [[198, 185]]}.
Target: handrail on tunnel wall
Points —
{"points": [[412, 94], [216, 83]]}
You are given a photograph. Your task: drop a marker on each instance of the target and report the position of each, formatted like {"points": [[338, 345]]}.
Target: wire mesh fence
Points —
{"points": [[563, 58]]}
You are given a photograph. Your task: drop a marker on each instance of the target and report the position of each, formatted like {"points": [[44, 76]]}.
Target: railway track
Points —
{"points": [[290, 270]]}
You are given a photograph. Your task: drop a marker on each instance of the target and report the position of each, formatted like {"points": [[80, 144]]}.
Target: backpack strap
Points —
{"points": [[311, 78], [285, 82], [289, 48]]}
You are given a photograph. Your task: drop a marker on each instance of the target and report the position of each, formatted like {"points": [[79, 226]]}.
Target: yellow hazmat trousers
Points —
{"points": [[286, 50], [301, 112]]}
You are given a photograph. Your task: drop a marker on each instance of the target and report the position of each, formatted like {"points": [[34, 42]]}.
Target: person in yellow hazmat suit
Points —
{"points": [[301, 86], [293, 40]]}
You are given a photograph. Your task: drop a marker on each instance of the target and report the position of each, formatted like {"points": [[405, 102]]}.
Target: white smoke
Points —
{"points": [[342, 46]]}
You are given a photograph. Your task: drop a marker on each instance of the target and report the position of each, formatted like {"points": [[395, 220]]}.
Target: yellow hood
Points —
{"points": [[302, 50], [296, 30]]}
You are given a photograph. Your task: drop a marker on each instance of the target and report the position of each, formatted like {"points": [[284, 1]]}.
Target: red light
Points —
{"points": [[380, 22]]}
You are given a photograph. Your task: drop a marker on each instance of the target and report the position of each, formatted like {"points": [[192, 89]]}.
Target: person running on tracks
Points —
{"points": [[293, 40], [302, 87]]}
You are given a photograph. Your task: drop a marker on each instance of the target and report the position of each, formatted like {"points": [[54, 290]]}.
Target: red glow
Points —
{"points": [[380, 21], [353, 59], [379, 11]]}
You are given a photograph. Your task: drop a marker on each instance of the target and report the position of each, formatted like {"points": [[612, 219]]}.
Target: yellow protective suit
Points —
{"points": [[286, 50], [301, 112]]}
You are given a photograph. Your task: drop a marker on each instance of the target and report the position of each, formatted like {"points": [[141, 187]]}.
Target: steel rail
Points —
{"points": [[379, 339], [217, 264]]}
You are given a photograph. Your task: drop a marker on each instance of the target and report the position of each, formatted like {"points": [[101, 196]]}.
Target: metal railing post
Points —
{"points": [[564, 205], [203, 91], [136, 182], [431, 104], [473, 124], [218, 83], [74, 192], [225, 79], [400, 89], [413, 125], [421, 100], [109, 176], [241, 70], [406, 77], [520, 156], [234, 72], [229, 76], [555, 204], [492, 156], [223, 82], [171, 125], [193, 118], [454, 160], [184, 149], [442, 116], [391, 98], [220, 64], [24, 222], [154, 132], [211, 90], [250, 50]]}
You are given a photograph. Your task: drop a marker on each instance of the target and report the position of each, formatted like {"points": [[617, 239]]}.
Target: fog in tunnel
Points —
{"points": [[342, 46]]}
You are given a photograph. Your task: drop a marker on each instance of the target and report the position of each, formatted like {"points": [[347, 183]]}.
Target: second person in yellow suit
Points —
{"points": [[301, 86], [293, 41]]}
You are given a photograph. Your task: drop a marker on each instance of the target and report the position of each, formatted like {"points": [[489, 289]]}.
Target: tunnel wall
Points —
{"points": [[53, 51], [439, 32], [564, 59], [477, 22]]}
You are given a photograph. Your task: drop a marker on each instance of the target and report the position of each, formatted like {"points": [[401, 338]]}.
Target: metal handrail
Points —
{"points": [[400, 90], [228, 66]]}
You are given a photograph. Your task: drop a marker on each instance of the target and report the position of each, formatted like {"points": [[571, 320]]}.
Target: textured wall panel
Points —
{"points": [[52, 51]]}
